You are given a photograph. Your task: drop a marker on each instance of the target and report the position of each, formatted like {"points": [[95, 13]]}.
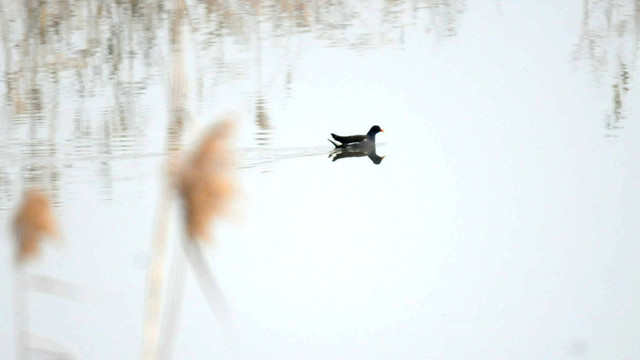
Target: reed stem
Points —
{"points": [[213, 294], [20, 315], [153, 302], [173, 305]]}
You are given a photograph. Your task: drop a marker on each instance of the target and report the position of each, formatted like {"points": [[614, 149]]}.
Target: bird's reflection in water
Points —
{"points": [[370, 151]]}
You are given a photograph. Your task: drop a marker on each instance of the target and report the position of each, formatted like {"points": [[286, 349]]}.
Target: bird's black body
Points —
{"points": [[349, 139], [356, 146], [357, 140]]}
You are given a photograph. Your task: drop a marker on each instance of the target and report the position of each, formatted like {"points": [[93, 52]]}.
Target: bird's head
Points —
{"points": [[374, 130]]}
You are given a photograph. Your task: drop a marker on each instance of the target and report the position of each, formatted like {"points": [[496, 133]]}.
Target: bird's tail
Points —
{"points": [[334, 143]]}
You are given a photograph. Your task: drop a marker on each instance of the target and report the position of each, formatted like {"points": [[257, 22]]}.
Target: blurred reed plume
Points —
{"points": [[205, 185], [205, 182], [33, 222]]}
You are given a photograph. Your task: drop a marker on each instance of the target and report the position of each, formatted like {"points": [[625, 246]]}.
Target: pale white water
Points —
{"points": [[501, 224]]}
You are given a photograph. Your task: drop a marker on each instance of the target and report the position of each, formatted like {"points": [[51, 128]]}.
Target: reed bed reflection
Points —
{"points": [[608, 43], [99, 66]]}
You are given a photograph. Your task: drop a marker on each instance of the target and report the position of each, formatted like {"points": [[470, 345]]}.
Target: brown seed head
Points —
{"points": [[206, 182], [33, 221]]}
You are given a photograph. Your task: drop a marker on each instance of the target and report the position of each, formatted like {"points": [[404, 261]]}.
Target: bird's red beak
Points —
{"points": [[381, 130]]}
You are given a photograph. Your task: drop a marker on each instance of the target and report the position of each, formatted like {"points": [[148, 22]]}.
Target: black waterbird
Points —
{"points": [[356, 146], [356, 140]]}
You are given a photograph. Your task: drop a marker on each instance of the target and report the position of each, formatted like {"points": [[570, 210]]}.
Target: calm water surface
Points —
{"points": [[503, 222]]}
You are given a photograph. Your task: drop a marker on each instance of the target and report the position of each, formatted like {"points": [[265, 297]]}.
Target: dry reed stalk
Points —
{"points": [[33, 222], [153, 332], [20, 316], [153, 301], [205, 186], [173, 305], [212, 292]]}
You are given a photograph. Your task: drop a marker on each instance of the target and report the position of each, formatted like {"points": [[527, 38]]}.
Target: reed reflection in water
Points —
{"points": [[85, 78], [608, 43], [98, 94]]}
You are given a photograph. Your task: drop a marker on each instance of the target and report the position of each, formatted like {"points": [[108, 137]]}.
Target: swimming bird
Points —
{"points": [[356, 140]]}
